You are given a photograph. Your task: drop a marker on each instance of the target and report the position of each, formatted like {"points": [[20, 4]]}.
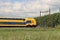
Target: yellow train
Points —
{"points": [[30, 22]]}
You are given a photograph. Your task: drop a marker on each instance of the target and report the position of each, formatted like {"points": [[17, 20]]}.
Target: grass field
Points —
{"points": [[29, 34]]}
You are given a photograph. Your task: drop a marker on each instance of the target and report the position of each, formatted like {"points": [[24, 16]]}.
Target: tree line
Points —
{"points": [[51, 20]]}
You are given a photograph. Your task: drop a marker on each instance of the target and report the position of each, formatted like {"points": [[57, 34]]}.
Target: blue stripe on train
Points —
{"points": [[11, 22], [16, 23]]}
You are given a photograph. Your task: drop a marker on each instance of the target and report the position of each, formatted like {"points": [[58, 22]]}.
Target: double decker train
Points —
{"points": [[28, 22]]}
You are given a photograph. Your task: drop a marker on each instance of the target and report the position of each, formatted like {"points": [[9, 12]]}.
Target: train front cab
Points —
{"points": [[31, 22]]}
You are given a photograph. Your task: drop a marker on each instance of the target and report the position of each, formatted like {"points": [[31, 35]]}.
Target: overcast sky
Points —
{"points": [[27, 8]]}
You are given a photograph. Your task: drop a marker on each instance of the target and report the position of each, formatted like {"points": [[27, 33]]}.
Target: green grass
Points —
{"points": [[29, 34]]}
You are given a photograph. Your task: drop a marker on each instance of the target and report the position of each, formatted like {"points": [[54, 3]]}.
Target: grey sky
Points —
{"points": [[27, 8]]}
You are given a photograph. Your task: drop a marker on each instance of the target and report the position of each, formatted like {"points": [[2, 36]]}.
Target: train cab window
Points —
{"points": [[28, 21]]}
